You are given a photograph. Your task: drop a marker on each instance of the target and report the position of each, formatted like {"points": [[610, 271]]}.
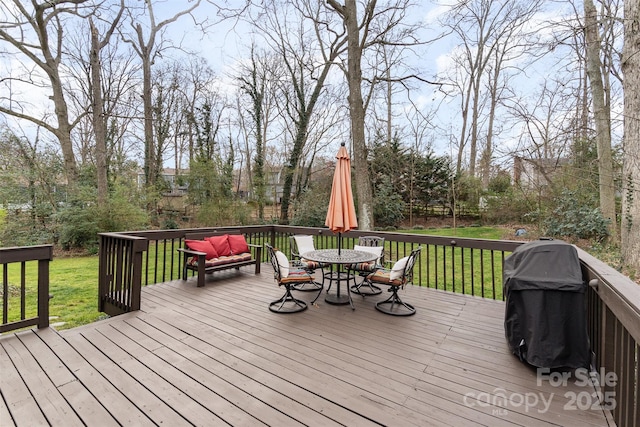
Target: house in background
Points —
{"points": [[534, 174], [175, 187]]}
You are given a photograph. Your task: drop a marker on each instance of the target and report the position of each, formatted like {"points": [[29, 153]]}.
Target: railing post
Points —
{"points": [[139, 247], [43, 291]]}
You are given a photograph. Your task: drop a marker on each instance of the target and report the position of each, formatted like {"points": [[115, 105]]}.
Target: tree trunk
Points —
{"points": [[99, 125], [356, 110], [149, 145], [631, 164], [51, 64], [602, 117]]}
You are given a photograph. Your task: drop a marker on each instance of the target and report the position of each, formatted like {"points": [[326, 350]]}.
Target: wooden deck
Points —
{"points": [[217, 356]]}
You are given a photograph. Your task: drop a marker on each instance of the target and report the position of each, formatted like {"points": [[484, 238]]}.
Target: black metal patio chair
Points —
{"points": [[289, 277], [396, 277], [375, 245]]}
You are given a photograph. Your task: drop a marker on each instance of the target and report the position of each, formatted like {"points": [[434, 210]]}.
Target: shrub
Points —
{"points": [[79, 223], [506, 207], [388, 206], [311, 207], [577, 218], [222, 212]]}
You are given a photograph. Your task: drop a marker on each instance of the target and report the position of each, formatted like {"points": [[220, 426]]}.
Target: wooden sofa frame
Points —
{"points": [[202, 270]]}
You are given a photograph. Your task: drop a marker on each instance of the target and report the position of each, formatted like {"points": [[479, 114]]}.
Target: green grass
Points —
{"points": [[74, 280], [492, 233], [473, 267], [73, 286]]}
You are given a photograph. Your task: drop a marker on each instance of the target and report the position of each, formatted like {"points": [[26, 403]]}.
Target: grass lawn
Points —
{"points": [[492, 233], [448, 268], [74, 282], [73, 286]]}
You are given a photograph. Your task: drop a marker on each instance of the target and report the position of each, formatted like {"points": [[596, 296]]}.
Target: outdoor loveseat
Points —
{"points": [[207, 252]]}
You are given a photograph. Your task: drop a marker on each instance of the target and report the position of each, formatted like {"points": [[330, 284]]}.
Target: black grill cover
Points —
{"points": [[545, 315]]}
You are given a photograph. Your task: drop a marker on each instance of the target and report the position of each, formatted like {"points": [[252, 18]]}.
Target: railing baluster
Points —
{"points": [[5, 293], [23, 290], [473, 272], [493, 275], [482, 272]]}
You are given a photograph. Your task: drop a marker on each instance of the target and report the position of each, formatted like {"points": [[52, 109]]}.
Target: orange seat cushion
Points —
{"points": [[383, 276]]}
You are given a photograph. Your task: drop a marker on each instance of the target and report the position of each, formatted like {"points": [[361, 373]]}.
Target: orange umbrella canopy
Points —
{"points": [[341, 215]]}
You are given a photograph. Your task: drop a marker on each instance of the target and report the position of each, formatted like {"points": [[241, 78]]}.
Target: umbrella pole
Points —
{"points": [[339, 243]]}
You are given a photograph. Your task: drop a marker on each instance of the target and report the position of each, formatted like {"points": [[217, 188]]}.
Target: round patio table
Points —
{"points": [[339, 258]]}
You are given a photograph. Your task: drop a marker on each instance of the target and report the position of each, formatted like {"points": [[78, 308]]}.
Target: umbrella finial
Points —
{"points": [[342, 144]]}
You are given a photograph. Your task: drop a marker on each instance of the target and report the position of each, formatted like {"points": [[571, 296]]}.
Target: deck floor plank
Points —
{"points": [[197, 382], [34, 373], [21, 404], [5, 415], [217, 355], [216, 363]]}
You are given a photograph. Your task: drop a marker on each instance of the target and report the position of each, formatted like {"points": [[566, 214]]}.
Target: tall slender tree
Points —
{"points": [[148, 46], [602, 113], [631, 165], [378, 25], [98, 118]]}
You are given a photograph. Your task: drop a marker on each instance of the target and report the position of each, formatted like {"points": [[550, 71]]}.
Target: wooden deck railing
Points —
{"points": [[468, 266], [31, 295], [120, 272], [613, 316]]}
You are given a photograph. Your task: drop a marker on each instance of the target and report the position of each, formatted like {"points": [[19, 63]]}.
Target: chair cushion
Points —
{"points": [[364, 266], [310, 265], [238, 244], [297, 275], [221, 244], [283, 263], [398, 268], [221, 260], [304, 244], [377, 250], [202, 246], [383, 275]]}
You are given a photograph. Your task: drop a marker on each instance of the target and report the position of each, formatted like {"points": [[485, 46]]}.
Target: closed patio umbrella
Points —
{"points": [[341, 215]]}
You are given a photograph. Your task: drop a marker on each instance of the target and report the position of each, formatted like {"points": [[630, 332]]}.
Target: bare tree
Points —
{"points": [[378, 25], [99, 119], [631, 167], [600, 92], [34, 34], [307, 51], [492, 36], [254, 87], [149, 47], [196, 82]]}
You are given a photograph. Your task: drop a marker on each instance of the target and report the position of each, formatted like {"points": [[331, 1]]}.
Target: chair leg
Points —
{"points": [[394, 305], [365, 288], [287, 304], [307, 287]]}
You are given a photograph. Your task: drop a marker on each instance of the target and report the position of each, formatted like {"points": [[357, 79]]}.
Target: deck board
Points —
{"points": [[217, 356]]}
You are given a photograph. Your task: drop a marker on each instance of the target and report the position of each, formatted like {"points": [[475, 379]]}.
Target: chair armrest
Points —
{"points": [[192, 252], [258, 251]]}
